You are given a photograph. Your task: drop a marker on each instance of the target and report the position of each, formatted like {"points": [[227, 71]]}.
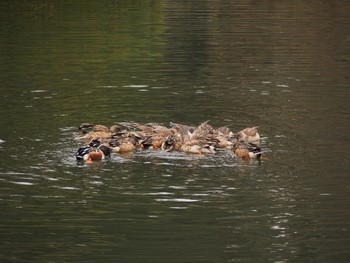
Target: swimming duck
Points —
{"points": [[195, 140], [121, 147], [182, 133], [204, 130], [99, 135], [248, 135], [203, 139], [223, 138], [158, 138], [93, 132], [88, 127], [225, 131], [197, 148], [93, 152], [247, 150]]}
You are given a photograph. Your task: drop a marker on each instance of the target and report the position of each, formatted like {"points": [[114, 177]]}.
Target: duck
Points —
{"points": [[182, 133], [89, 127], [248, 135], [93, 136], [158, 138], [223, 138], [197, 148], [225, 131], [202, 131], [199, 140], [93, 132], [130, 136], [247, 150], [121, 147], [95, 151]]}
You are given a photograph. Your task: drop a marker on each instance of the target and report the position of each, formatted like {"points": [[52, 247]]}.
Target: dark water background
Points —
{"points": [[283, 65]]}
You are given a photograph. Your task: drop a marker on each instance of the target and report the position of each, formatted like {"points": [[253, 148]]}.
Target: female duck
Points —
{"points": [[248, 135]]}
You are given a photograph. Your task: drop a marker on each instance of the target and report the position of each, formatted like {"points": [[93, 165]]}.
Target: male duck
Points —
{"points": [[247, 150], [93, 152]]}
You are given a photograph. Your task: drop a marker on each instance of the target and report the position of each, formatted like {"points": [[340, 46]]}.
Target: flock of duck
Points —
{"points": [[100, 141]]}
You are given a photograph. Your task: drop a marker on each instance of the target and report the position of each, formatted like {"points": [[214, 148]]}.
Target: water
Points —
{"points": [[281, 65]]}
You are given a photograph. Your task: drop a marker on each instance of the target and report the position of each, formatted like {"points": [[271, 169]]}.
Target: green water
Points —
{"points": [[281, 65]]}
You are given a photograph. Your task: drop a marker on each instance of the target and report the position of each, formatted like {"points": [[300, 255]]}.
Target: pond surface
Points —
{"points": [[282, 65]]}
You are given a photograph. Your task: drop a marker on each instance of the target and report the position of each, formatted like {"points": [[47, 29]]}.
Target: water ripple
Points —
{"points": [[180, 200]]}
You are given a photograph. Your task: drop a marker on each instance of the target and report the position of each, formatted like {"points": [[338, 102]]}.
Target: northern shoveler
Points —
{"points": [[93, 132], [247, 150], [248, 135], [93, 152], [202, 139]]}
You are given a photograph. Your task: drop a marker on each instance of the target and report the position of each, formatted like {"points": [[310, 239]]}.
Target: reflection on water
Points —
{"points": [[283, 66]]}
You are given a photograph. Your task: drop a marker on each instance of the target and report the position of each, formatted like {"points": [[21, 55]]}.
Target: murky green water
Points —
{"points": [[283, 65]]}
